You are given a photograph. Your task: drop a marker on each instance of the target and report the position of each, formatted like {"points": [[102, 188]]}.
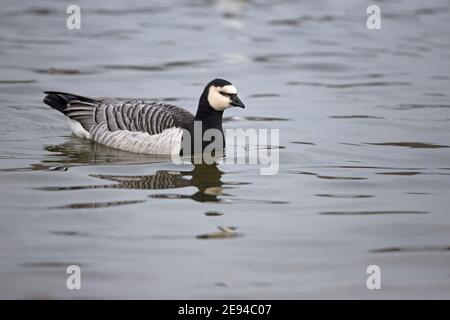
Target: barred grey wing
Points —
{"points": [[142, 116]]}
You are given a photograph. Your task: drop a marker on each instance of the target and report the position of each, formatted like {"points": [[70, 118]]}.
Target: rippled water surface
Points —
{"points": [[364, 177]]}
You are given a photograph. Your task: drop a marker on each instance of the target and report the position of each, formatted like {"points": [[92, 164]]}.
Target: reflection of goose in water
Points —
{"points": [[206, 178], [76, 152]]}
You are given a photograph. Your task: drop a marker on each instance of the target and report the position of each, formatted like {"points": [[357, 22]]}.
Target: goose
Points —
{"points": [[141, 126]]}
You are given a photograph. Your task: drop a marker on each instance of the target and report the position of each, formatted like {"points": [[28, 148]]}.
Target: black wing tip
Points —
{"points": [[59, 100], [55, 101]]}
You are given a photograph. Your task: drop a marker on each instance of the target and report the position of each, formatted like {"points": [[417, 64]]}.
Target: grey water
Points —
{"points": [[364, 173]]}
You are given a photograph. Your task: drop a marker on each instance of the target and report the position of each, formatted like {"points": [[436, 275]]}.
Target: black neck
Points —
{"points": [[209, 117]]}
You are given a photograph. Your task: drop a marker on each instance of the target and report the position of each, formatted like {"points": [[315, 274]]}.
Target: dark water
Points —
{"points": [[364, 119]]}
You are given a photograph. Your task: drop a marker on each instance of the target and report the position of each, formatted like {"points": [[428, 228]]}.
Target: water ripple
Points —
{"points": [[350, 85], [415, 145], [157, 67], [94, 205], [356, 116], [406, 249], [364, 213]]}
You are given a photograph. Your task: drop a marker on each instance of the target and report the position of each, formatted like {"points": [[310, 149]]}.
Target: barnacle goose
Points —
{"points": [[144, 126]]}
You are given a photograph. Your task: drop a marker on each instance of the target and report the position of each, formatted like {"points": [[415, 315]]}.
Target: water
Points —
{"points": [[364, 173]]}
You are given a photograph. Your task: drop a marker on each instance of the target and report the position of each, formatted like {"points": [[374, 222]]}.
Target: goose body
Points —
{"points": [[143, 126]]}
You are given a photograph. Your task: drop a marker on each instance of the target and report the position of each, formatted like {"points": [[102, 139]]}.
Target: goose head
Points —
{"points": [[222, 94]]}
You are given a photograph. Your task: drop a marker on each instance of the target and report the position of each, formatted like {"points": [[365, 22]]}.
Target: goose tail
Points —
{"points": [[60, 100]]}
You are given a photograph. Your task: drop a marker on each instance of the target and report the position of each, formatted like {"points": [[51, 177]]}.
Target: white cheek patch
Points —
{"points": [[216, 100]]}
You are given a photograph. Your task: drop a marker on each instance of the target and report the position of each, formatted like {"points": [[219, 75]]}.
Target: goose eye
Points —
{"points": [[225, 94]]}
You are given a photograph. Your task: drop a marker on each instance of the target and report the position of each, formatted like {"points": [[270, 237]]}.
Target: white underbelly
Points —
{"points": [[167, 142]]}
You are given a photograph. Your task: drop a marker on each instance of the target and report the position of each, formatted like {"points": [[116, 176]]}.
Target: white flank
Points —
{"points": [[167, 142], [78, 129]]}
